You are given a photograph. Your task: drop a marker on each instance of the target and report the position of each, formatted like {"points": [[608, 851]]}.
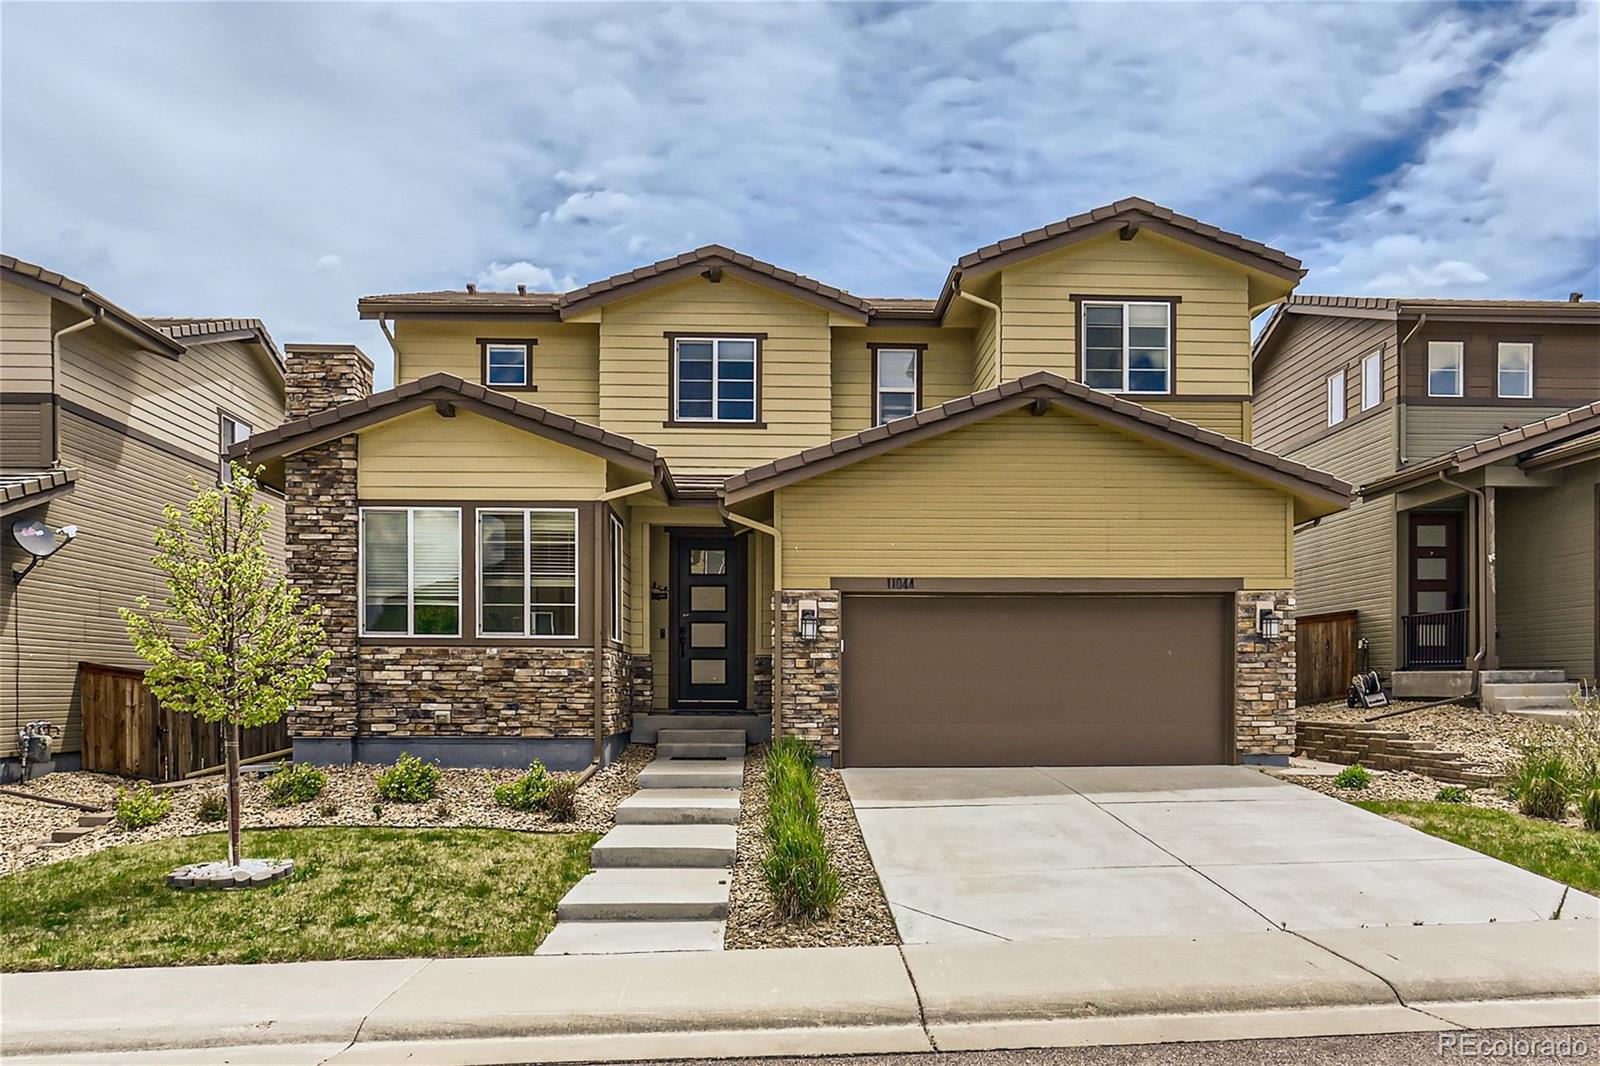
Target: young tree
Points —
{"points": [[232, 643]]}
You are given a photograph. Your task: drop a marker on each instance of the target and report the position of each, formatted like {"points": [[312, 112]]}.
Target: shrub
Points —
{"points": [[1589, 803], [295, 782], [409, 780], [142, 806], [1538, 780], [562, 799], [213, 807], [1452, 794], [1352, 777], [797, 870], [525, 793]]}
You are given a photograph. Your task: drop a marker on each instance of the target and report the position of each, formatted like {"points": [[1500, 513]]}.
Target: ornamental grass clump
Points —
{"points": [[409, 780], [562, 800], [141, 806], [527, 792], [1538, 780], [295, 782], [804, 885], [1353, 777]]}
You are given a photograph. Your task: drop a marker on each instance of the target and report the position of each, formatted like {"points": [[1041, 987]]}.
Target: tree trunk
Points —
{"points": [[231, 746]]}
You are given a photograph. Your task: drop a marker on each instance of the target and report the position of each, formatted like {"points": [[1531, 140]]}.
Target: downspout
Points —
{"points": [[777, 607], [600, 557], [999, 363], [1483, 569], [394, 345], [55, 390]]}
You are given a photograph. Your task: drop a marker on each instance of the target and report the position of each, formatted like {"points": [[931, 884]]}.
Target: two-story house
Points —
{"points": [[105, 417], [1473, 430], [1021, 522]]}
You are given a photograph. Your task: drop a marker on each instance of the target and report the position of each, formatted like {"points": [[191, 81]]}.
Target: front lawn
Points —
{"points": [[1564, 853], [355, 894]]}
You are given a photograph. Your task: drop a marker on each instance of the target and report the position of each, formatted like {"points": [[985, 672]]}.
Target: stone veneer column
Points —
{"points": [[811, 671], [1264, 680]]}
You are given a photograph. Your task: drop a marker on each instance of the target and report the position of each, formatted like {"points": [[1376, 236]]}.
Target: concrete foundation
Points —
{"points": [[1430, 684], [556, 753]]}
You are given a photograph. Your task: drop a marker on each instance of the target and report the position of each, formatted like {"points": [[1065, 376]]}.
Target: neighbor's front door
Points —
{"points": [[708, 584]]}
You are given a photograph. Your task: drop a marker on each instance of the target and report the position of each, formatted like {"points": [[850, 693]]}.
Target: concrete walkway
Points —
{"points": [[812, 1001], [661, 877]]}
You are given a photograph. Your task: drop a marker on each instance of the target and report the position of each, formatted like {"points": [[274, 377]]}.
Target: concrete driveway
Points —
{"points": [[1046, 853]]}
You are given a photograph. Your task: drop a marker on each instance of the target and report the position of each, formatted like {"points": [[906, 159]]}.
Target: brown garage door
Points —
{"points": [[976, 680]]}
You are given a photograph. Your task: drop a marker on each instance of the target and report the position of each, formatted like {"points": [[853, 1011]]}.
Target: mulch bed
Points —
{"points": [[1487, 738], [465, 800], [862, 917]]}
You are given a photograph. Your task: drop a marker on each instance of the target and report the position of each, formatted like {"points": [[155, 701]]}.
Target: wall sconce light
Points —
{"points": [[1268, 622], [808, 619]]}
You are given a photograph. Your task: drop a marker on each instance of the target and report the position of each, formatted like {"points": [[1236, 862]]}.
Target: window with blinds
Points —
{"points": [[411, 571], [528, 572]]}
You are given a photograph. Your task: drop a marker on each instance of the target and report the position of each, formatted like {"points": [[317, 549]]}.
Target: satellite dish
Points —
{"points": [[35, 538]]}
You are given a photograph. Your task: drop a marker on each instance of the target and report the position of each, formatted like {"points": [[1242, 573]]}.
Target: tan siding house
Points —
{"points": [[671, 492]]}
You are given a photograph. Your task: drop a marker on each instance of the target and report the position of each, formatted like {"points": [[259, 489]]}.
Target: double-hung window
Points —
{"points": [[411, 571], [714, 379], [230, 432], [1515, 366], [1336, 395], [528, 572], [507, 364], [617, 576], [1444, 368], [1372, 380], [896, 385], [1127, 345]]}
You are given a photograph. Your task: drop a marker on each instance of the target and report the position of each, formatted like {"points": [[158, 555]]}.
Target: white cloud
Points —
{"points": [[506, 276], [327, 262]]}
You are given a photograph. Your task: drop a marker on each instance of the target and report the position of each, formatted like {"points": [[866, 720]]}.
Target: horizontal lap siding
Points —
{"points": [[24, 436], [1546, 574], [1039, 330], [1229, 419], [1348, 561], [566, 360], [1291, 397], [985, 372], [796, 356], [24, 339], [946, 370], [424, 456], [1021, 496], [1433, 430]]}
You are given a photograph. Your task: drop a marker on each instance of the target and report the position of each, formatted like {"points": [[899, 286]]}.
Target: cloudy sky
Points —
{"points": [[280, 160]]}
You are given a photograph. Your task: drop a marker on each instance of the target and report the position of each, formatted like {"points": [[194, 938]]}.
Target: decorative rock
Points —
{"points": [[250, 873]]}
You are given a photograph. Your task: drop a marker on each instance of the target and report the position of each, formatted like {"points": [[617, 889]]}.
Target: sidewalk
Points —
{"points": [[812, 1001]]}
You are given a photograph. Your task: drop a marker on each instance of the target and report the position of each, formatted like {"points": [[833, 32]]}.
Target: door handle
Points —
{"points": [[683, 640]]}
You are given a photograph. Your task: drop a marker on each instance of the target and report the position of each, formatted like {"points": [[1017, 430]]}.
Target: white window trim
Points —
{"points": [[878, 391], [411, 590], [224, 465], [1083, 346], [716, 380], [1338, 397], [617, 576], [1461, 369], [527, 573], [1371, 398], [488, 364], [1499, 353]]}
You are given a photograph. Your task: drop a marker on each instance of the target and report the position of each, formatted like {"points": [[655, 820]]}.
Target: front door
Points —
{"points": [[708, 587], [1435, 563]]}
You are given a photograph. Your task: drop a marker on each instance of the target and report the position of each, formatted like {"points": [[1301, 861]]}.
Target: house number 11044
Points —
{"points": [[902, 583]]}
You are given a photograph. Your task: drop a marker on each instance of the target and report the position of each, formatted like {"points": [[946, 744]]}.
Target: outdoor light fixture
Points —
{"points": [[1268, 623], [39, 541], [808, 619]]}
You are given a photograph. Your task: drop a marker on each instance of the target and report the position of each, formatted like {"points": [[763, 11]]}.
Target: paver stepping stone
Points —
{"points": [[667, 846], [623, 894], [622, 938], [693, 773], [680, 806]]}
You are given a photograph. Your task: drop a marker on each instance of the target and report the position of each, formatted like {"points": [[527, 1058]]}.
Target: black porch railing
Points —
{"points": [[1436, 640]]}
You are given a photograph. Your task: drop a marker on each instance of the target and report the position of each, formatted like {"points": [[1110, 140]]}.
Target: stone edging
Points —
{"points": [[1380, 748]]}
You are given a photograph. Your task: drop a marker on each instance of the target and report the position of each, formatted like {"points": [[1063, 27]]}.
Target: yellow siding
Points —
{"points": [[796, 357], [1025, 496], [424, 456], [946, 370], [1038, 331], [566, 361], [24, 339], [1227, 418], [985, 366]]}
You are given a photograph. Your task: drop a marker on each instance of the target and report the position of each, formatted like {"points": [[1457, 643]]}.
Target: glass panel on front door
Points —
{"points": [[709, 641]]}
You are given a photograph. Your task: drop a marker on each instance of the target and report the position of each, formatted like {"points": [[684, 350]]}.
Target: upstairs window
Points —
{"points": [[507, 364], [1444, 368], [1516, 369], [714, 379], [1336, 394], [897, 383], [1127, 345], [1372, 381], [411, 571], [528, 572], [230, 431]]}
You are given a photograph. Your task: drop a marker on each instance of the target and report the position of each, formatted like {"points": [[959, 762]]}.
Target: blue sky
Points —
{"points": [[281, 160]]}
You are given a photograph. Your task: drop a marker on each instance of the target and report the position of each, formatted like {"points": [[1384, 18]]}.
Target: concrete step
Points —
{"points": [[649, 894], [102, 818], [699, 750], [1522, 677], [705, 735], [692, 773], [668, 846], [625, 938], [66, 836], [757, 727], [1509, 697], [680, 806], [1549, 715]]}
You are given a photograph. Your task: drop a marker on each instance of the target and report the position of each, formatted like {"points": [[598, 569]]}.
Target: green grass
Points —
{"points": [[355, 894], [1560, 852]]}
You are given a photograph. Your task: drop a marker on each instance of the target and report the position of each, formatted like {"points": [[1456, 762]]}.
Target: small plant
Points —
{"points": [[1588, 796], [1538, 781], [562, 799], [328, 809], [142, 806], [525, 793], [1352, 777], [213, 807], [441, 811], [803, 883], [1452, 794], [377, 811], [409, 780], [296, 782]]}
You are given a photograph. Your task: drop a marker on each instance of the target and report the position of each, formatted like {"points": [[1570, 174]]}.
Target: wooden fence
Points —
{"points": [[126, 731], [1325, 655]]}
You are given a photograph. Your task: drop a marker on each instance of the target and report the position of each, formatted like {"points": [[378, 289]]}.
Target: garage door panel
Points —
{"points": [[1035, 680]]}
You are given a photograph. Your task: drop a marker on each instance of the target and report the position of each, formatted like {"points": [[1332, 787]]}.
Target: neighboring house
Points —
{"points": [[1018, 523], [1471, 428], [105, 416]]}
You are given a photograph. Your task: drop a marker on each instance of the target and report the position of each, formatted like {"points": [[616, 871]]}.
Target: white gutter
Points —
{"points": [[55, 389], [981, 302]]}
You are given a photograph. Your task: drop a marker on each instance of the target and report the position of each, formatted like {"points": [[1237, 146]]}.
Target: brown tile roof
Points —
{"points": [[23, 489], [202, 329], [91, 302], [1533, 436], [1041, 385], [1414, 305]]}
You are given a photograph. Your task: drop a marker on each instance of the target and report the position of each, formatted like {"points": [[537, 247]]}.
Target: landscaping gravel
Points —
{"points": [[465, 799], [1488, 738], [862, 917]]}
